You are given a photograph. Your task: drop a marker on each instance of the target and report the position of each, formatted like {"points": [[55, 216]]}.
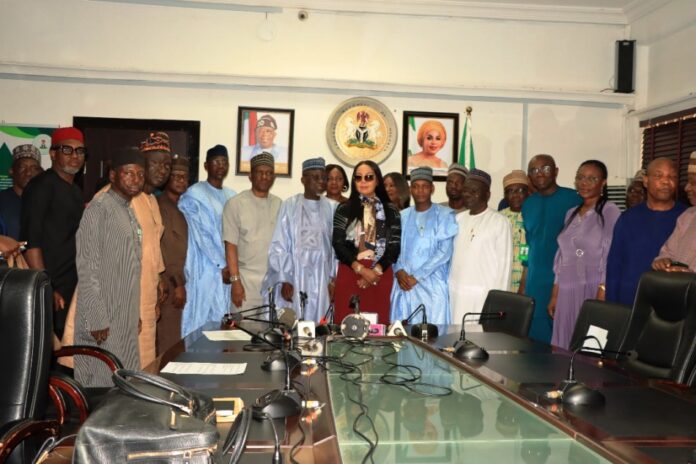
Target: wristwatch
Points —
{"points": [[235, 277]]}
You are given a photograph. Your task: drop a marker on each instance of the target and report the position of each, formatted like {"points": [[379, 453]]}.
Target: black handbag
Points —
{"points": [[147, 418]]}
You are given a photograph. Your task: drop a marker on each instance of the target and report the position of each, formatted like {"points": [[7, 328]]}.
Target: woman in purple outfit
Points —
{"points": [[583, 246]]}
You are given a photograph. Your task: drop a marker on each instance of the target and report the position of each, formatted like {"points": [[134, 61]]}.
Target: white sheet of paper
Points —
{"points": [[226, 335], [195, 368], [372, 317], [591, 344]]}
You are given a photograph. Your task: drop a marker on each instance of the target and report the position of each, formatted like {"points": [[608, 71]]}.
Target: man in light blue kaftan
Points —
{"points": [[427, 238], [301, 256], [207, 289]]}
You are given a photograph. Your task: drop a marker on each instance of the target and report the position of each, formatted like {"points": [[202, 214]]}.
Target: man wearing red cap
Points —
{"points": [[52, 207]]}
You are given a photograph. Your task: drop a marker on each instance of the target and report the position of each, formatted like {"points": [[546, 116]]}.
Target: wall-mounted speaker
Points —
{"points": [[625, 65]]}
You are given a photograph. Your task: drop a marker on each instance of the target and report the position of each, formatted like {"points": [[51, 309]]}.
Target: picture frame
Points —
{"points": [[265, 129], [414, 155], [104, 136]]}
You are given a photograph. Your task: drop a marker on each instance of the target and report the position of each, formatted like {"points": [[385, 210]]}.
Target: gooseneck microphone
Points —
{"points": [[424, 330], [576, 393], [466, 349]]}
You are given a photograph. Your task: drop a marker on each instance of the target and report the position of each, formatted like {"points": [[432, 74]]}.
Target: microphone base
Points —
{"points": [[578, 394], [271, 335], [430, 329], [276, 361], [327, 329], [278, 404], [467, 350]]}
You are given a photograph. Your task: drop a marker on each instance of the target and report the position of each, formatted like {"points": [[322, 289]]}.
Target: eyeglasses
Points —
{"points": [[67, 150], [518, 190], [540, 170], [589, 179], [366, 177]]}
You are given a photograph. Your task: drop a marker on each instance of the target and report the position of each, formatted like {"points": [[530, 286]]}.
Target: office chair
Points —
{"points": [[662, 326], [612, 317], [518, 312], [26, 328]]}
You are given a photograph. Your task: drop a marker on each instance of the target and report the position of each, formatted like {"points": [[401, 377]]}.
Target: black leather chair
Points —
{"points": [[612, 317], [26, 328], [518, 311], [662, 326]]}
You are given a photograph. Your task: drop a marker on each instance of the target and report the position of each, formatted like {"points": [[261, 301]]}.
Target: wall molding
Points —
{"points": [[437, 8], [25, 72]]}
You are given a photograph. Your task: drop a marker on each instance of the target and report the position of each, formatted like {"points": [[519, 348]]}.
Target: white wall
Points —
{"points": [[535, 85]]}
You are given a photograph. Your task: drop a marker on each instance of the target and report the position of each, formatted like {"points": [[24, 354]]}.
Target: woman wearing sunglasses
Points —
{"points": [[367, 241]]}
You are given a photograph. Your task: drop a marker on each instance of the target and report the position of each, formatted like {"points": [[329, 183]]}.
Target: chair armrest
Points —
{"points": [[12, 434], [86, 350], [61, 384]]}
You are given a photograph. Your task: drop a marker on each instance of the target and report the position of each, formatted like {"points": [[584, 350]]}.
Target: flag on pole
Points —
{"points": [[466, 150], [412, 132]]}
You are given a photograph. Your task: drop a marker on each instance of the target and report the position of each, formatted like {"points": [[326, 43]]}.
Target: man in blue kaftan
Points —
{"points": [[422, 270], [301, 257], [642, 230], [543, 214], [207, 289]]}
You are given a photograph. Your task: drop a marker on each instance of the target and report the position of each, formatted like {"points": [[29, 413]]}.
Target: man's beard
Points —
{"points": [[70, 170]]}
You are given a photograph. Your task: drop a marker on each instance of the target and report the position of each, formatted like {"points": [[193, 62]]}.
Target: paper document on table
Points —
{"points": [[591, 344], [473, 327], [196, 368], [226, 335]]}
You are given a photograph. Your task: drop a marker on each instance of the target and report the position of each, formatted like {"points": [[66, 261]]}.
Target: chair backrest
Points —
{"points": [[612, 317], [518, 311], [662, 326], [26, 328]]}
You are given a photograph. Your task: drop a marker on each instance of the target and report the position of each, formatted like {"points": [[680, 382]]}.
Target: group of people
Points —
{"points": [[150, 259]]}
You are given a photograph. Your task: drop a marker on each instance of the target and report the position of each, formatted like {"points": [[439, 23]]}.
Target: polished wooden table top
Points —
{"points": [[643, 421]]}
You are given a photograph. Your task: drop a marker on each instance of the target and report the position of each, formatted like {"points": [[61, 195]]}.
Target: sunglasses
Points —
{"points": [[366, 177], [67, 150]]}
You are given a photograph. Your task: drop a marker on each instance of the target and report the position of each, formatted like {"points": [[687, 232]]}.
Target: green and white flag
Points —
{"points": [[466, 150]]}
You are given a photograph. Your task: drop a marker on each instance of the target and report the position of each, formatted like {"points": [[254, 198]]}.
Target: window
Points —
{"points": [[674, 136]]}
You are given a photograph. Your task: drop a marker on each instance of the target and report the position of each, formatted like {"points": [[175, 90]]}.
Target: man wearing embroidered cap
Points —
{"points": [[174, 244], [456, 175], [422, 270], [482, 249], [26, 164], [248, 222], [516, 190], [301, 256], [52, 207], [206, 272], [680, 247], [265, 133], [109, 248]]}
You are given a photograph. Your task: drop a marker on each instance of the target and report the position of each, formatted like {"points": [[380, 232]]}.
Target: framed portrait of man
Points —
{"points": [[265, 130], [430, 139]]}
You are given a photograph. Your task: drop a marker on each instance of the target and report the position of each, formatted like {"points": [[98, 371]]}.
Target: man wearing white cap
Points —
{"points": [[301, 256], [482, 249]]}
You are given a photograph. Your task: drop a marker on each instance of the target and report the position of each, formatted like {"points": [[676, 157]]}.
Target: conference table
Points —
{"points": [[420, 404]]}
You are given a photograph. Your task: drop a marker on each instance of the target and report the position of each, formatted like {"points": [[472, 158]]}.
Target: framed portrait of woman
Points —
{"points": [[429, 139]]}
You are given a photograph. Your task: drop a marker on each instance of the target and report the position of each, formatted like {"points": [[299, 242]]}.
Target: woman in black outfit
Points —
{"points": [[367, 241]]}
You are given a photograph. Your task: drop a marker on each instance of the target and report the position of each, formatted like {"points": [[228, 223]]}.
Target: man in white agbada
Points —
{"points": [[301, 256], [482, 256], [248, 222]]}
